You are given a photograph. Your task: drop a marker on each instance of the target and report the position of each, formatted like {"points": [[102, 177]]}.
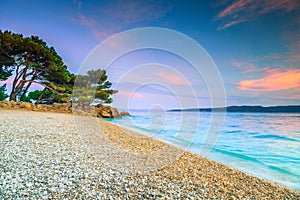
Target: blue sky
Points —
{"points": [[254, 44]]}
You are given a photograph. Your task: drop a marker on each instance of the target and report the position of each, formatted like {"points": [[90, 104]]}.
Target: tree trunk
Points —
{"points": [[27, 87], [18, 85], [13, 96], [41, 95]]}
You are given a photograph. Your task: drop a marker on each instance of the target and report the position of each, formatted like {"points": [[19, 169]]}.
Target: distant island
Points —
{"points": [[256, 109]]}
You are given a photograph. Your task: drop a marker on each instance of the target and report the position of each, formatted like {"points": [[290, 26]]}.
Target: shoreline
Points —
{"points": [[53, 138]]}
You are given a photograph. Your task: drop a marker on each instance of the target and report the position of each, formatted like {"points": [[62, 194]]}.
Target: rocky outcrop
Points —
{"points": [[124, 113], [56, 107], [107, 111], [99, 110]]}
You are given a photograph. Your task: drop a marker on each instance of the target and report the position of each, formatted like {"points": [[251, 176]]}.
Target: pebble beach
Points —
{"points": [[46, 155]]}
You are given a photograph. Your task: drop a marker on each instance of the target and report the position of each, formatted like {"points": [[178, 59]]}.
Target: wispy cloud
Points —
{"points": [[245, 66], [248, 67], [136, 11], [274, 80], [172, 78], [229, 24], [130, 94], [118, 16], [85, 21], [246, 10]]}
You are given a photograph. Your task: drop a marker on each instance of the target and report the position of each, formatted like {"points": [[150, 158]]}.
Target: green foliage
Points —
{"points": [[36, 94], [32, 61], [85, 99], [93, 85], [3, 94], [61, 97], [9, 45]]}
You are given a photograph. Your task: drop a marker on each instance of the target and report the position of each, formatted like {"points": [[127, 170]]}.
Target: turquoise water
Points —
{"points": [[266, 145]]}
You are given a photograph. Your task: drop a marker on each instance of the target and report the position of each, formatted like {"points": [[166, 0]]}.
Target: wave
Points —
{"points": [[256, 161], [237, 131], [245, 146], [238, 155], [276, 137]]}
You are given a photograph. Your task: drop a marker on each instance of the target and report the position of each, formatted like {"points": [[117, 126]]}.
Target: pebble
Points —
{"points": [[44, 157]]}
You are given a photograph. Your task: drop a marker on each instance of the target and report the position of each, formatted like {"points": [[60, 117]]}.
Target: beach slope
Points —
{"points": [[55, 156]]}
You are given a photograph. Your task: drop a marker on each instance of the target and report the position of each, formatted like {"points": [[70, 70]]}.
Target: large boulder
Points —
{"points": [[116, 113], [106, 111], [5, 104], [26, 105]]}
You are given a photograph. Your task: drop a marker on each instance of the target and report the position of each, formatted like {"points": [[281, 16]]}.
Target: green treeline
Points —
{"points": [[29, 60]]}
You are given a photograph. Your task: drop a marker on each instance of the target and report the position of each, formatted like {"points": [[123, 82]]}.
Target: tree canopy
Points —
{"points": [[30, 60], [93, 86]]}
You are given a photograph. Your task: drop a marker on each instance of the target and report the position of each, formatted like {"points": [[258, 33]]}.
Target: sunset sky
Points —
{"points": [[255, 45]]}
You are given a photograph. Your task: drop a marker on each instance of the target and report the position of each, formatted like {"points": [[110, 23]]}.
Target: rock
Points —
{"points": [[61, 107], [106, 111], [100, 110], [12, 103], [4, 104], [26, 105], [115, 113], [35, 109], [125, 113], [105, 114], [99, 105], [44, 107]]}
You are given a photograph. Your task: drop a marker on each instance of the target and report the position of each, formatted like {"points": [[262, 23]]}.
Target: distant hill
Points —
{"points": [[270, 109]]}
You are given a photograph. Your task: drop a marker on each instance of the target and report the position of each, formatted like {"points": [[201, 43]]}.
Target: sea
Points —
{"points": [[266, 145]]}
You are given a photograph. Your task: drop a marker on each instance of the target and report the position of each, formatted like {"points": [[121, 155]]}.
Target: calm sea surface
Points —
{"points": [[266, 145]]}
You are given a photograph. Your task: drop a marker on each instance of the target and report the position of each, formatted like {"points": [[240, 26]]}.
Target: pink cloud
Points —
{"points": [[120, 15], [270, 71], [246, 67], [275, 80], [229, 24], [136, 11], [172, 78], [246, 10], [233, 8], [130, 94]]}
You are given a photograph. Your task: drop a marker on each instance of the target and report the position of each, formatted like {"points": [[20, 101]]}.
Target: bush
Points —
{"points": [[3, 94]]}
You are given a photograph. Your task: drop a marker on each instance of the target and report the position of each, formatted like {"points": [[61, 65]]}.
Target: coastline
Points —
{"points": [[47, 145]]}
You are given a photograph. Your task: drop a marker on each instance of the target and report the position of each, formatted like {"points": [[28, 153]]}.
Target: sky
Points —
{"points": [[254, 46]]}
